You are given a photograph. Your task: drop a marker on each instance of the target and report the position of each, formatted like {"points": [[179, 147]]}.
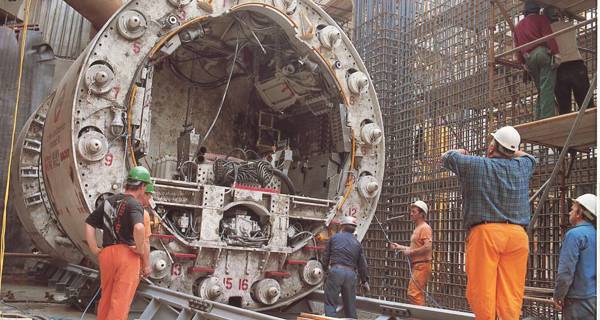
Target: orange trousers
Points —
{"points": [[418, 283], [496, 263], [119, 278]]}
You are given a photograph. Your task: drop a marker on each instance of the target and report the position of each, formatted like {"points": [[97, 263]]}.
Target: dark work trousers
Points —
{"points": [[579, 309], [571, 76], [343, 280]]}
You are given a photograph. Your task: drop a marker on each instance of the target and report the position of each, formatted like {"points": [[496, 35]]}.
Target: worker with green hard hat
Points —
{"points": [[148, 212], [123, 250], [138, 175]]}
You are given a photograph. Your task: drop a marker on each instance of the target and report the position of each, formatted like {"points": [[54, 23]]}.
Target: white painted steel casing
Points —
{"points": [[99, 85]]}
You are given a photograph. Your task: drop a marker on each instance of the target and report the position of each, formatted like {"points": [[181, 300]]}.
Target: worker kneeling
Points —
{"points": [[343, 256], [496, 210], [121, 217]]}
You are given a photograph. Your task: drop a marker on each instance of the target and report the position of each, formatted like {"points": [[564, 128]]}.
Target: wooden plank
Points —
{"points": [[572, 6], [314, 316], [553, 131]]}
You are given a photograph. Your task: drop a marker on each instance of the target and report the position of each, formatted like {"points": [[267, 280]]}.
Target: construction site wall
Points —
{"points": [[432, 64]]}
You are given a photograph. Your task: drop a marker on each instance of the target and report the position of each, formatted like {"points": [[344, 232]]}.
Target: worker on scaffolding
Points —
{"points": [[121, 218], [496, 210], [575, 290], [571, 74], [538, 59], [343, 257], [419, 253]]}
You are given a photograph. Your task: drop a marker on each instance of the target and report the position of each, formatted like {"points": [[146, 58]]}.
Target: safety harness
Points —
{"points": [[112, 218]]}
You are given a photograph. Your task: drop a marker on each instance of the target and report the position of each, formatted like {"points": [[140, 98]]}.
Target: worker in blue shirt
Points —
{"points": [[343, 257], [575, 290], [495, 192]]}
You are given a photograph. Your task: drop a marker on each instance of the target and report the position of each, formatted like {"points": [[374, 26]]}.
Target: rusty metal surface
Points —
{"points": [[98, 12], [432, 65], [65, 30], [38, 72]]}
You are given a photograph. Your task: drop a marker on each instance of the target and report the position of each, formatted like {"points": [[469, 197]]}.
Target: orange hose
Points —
{"points": [[131, 101]]}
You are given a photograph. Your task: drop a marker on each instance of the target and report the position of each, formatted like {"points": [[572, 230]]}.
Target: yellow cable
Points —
{"points": [[131, 101], [12, 139]]}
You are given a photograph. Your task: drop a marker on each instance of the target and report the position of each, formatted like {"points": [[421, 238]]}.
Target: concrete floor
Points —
{"points": [[26, 298]]}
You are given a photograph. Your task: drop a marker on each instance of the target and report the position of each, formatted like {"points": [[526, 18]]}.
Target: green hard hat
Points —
{"points": [[150, 187], [138, 174]]}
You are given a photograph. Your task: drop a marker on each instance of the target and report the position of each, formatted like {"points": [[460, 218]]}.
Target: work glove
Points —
{"points": [[558, 304], [365, 286]]}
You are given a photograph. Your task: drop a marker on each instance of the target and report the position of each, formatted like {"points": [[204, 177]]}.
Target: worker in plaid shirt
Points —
{"points": [[496, 209]]}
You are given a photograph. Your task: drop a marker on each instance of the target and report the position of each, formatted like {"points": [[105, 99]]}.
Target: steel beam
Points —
{"points": [[391, 310]]}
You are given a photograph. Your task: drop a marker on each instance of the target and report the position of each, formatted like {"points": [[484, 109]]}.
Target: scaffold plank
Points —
{"points": [[553, 131]]}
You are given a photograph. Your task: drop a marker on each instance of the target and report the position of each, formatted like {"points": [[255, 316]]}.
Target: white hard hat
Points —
{"points": [[508, 137], [588, 202], [348, 220], [421, 205]]}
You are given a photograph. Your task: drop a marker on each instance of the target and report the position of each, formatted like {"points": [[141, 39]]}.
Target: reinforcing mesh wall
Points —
{"points": [[439, 87]]}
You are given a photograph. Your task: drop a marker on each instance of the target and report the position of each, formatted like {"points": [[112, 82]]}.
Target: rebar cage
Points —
{"points": [[440, 88]]}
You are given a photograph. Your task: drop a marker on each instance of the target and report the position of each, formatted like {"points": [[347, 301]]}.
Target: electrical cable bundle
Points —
{"points": [[228, 172]]}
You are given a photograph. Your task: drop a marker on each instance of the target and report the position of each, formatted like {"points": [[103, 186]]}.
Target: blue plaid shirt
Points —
{"points": [[493, 189]]}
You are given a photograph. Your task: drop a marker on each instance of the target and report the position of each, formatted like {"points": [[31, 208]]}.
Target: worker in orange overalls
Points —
{"points": [[148, 206], [495, 199], [121, 218], [419, 253]]}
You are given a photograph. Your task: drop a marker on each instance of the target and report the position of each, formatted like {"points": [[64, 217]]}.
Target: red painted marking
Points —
{"points": [[352, 212], [296, 262], [117, 89], [285, 88], [201, 270], [163, 236], [176, 269], [243, 284], [108, 159], [243, 187], [184, 255], [314, 248], [227, 283], [277, 274], [136, 47], [64, 155]]}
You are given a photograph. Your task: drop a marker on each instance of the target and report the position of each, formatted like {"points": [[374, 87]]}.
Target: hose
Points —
{"points": [[90, 303], [237, 42], [284, 177], [12, 139]]}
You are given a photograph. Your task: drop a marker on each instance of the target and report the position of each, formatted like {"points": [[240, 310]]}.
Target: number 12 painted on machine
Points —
{"points": [[242, 284]]}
